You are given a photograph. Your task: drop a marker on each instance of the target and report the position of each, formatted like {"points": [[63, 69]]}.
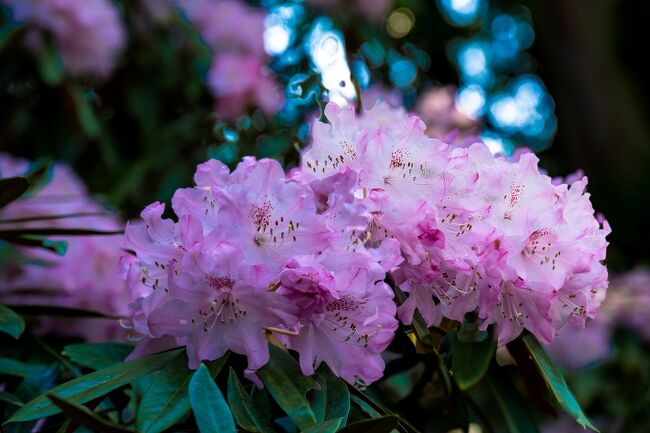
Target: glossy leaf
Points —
{"points": [[331, 404], [93, 385], [288, 387], [57, 247], [248, 415], [210, 409], [555, 381], [12, 188], [365, 406], [513, 405], [384, 424], [31, 387], [10, 322], [11, 399], [470, 360], [59, 358], [97, 355], [375, 405], [166, 401], [328, 426], [84, 416], [13, 367]]}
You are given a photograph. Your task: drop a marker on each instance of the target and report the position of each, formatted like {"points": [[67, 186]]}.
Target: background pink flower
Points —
{"points": [[86, 277], [88, 34]]}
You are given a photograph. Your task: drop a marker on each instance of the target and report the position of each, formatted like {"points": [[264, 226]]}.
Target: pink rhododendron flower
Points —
{"points": [[88, 34], [347, 313], [240, 81], [254, 252], [227, 25], [238, 77], [86, 277], [477, 233]]}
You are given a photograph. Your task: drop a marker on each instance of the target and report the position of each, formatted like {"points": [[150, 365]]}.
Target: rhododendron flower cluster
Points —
{"points": [[86, 276], [238, 77], [88, 34], [478, 233], [254, 253], [305, 256]]}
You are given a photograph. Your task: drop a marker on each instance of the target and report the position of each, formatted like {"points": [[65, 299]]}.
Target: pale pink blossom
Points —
{"points": [[255, 252], [86, 277], [478, 233], [238, 77], [347, 313], [227, 25], [88, 34], [240, 82]]}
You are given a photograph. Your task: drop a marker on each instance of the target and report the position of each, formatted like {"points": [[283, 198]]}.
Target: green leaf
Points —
{"points": [[11, 188], [329, 426], [365, 406], [57, 247], [13, 367], [384, 424], [167, 400], [286, 424], [49, 64], [470, 360], [248, 415], [86, 116], [59, 358], [84, 416], [10, 322], [513, 405], [31, 387], [556, 382], [93, 385], [97, 355], [210, 409], [11, 399], [331, 405], [288, 387], [40, 174]]}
